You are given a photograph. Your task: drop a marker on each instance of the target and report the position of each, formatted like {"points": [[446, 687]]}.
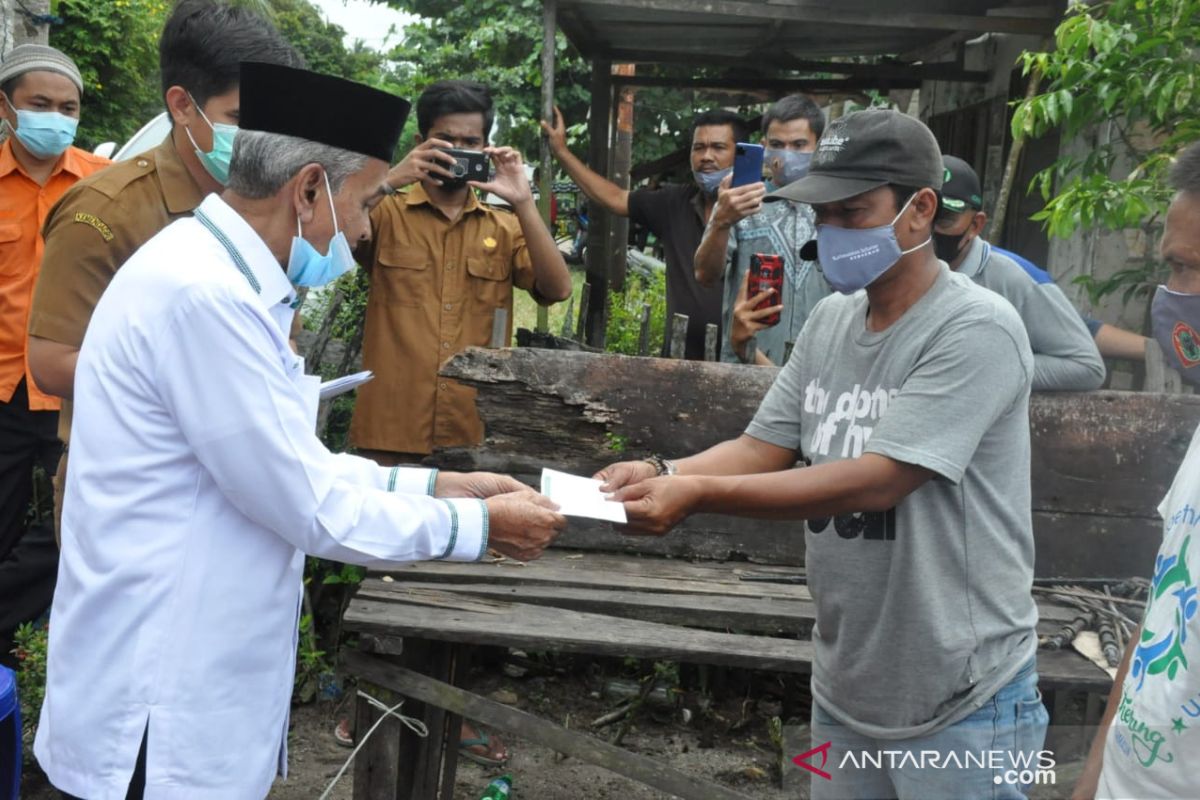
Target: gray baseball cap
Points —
{"points": [[865, 150]]}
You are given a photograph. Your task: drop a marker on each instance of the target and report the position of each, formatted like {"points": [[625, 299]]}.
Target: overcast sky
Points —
{"points": [[363, 20]]}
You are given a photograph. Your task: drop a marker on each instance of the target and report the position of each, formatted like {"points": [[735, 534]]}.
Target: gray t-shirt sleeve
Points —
{"points": [[971, 373], [777, 420], [1065, 357]]}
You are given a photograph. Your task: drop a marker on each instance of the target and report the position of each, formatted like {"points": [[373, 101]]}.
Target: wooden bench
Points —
{"points": [[1101, 462]]}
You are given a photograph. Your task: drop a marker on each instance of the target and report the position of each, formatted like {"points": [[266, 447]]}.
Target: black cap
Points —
{"points": [[865, 150], [960, 186], [320, 108]]}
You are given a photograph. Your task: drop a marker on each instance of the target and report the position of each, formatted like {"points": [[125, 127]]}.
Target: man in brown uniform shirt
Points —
{"points": [[441, 264], [102, 220]]}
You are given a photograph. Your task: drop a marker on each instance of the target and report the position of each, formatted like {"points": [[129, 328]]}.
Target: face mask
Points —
{"points": [[947, 246], [216, 161], [852, 258], [307, 267], [709, 182], [1174, 321], [45, 134], [788, 166]]}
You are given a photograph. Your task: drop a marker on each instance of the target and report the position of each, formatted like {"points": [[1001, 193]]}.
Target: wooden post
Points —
{"points": [[568, 327], [752, 350], [644, 333], [546, 173], [599, 218], [710, 342], [679, 326], [500, 328], [585, 295], [620, 161], [1159, 375]]}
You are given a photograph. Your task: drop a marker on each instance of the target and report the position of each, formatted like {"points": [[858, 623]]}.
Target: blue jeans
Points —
{"points": [[984, 755]]}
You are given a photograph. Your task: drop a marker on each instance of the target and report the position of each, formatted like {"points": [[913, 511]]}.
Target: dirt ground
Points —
{"points": [[725, 741]]}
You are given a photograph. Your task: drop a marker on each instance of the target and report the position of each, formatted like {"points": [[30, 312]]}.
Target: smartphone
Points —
{"points": [[469, 165], [747, 164], [766, 272]]}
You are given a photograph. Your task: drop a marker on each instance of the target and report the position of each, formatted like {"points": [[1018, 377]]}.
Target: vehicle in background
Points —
{"points": [[151, 135]]}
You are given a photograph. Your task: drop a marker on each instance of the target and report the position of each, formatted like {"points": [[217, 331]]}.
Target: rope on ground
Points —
{"points": [[415, 725]]}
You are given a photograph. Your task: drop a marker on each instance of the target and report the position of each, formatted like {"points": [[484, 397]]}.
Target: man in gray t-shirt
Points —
{"points": [[1065, 357], [908, 402]]}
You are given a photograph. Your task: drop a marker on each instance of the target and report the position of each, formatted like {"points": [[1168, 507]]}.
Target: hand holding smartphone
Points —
{"points": [[766, 272], [747, 164]]}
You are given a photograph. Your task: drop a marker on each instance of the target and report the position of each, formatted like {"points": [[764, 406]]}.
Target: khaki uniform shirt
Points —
{"points": [[93, 230], [435, 286]]}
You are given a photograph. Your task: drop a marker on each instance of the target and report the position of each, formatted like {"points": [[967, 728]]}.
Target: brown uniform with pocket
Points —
{"points": [[436, 285]]}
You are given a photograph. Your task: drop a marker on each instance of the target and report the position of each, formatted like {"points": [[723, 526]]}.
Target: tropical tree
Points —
{"points": [[1125, 74]]}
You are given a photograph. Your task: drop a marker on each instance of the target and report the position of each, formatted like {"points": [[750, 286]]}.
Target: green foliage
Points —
{"points": [[30, 650], [115, 46], [625, 314], [616, 442], [1127, 69]]}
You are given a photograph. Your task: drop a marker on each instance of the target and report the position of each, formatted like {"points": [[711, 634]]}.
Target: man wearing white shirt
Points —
{"points": [[198, 483]]}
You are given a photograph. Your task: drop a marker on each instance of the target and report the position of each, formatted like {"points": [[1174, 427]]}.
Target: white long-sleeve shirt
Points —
{"points": [[197, 484]]}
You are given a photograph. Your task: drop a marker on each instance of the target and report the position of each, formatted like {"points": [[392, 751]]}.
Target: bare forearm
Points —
{"points": [[594, 185], [1114, 342], [868, 483], [744, 455], [552, 279], [710, 259], [1090, 777], [52, 365]]}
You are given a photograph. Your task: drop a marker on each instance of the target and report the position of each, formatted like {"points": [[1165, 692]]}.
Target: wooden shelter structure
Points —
{"points": [[818, 47]]}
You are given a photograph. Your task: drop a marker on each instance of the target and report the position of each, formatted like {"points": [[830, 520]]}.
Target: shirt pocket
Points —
{"points": [[10, 234], [402, 277], [490, 279]]}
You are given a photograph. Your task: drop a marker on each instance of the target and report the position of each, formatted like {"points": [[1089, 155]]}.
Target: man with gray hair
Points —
{"points": [[198, 485]]}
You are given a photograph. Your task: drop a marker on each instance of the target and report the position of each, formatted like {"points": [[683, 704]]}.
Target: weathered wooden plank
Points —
{"points": [[550, 573], [541, 628], [1090, 545], [746, 614], [581, 746], [526, 626], [743, 614]]}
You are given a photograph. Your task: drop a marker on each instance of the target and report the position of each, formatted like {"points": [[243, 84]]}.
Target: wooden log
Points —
{"points": [[585, 298], [568, 326], [581, 746], [377, 766], [679, 326], [500, 327]]}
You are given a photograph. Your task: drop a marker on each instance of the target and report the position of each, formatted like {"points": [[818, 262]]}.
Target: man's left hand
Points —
{"points": [[481, 485], [657, 505], [509, 183]]}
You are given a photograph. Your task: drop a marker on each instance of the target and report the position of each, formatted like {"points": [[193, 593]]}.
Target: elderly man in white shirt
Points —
{"points": [[197, 483]]}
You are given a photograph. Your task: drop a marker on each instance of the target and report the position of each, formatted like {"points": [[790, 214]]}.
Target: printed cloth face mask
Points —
{"points": [[853, 258], [1174, 323], [217, 160], [709, 182], [307, 267], [788, 166], [45, 134]]}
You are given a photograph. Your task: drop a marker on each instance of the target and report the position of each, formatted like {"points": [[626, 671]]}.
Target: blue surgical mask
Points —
{"points": [[1175, 325], [787, 166], [45, 134], [217, 160], [853, 258], [709, 182], [307, 267]]}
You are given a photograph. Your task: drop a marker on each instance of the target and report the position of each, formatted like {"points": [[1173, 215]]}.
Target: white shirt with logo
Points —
{"points": [[1153, 745]]}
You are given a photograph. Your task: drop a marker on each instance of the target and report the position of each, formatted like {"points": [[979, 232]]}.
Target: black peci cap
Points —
{"points": [[960, 186], [865, 150], [321, 108]]}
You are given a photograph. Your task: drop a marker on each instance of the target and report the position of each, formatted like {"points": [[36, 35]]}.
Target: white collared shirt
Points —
{"points": [[195, 488]]}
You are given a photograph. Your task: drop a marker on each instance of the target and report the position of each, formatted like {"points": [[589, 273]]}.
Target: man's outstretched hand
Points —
{"points": [[523, 524], [475, 484], [657, 505]]}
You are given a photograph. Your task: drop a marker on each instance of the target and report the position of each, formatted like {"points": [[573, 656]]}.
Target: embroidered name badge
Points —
{"points": [[489, 243], [91, 219]]}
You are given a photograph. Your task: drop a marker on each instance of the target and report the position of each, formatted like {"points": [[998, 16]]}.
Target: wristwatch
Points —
{"points": [[661, 465]]}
